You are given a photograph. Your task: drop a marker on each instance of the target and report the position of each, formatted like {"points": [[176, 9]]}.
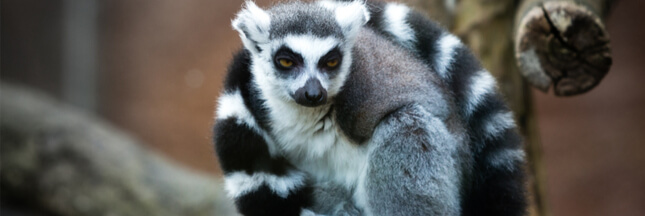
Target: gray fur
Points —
{"points": [[379, 67], [417, 151], [414, 165], [301, 18], [333, 199]]}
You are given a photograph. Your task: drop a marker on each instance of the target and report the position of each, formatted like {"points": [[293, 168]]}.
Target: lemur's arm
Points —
{"points": [[259, 183], [498, 156]]}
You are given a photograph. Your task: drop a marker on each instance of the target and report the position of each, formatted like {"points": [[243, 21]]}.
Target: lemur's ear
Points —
{"points": [[253, 24], [351, 16]]}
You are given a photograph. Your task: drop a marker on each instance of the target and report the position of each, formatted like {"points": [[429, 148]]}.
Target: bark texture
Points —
{"points": [[54, 157], [563, 43]]}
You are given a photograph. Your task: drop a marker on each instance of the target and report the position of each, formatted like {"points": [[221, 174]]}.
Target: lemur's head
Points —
{"points": [[301, 52]]}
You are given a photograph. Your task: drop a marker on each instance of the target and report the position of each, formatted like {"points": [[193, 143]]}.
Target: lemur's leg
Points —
{"points": [[414, 167], [259, 183]]}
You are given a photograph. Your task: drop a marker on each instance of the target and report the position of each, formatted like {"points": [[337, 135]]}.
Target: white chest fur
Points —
{"points": [[313, 142]]}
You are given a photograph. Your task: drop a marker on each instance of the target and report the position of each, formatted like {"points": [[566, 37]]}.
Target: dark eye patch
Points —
{"points": [[288, 54], [333, 54]]}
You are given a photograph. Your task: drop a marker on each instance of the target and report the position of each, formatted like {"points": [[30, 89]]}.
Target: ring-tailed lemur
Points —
{"points": [[347, 108]]}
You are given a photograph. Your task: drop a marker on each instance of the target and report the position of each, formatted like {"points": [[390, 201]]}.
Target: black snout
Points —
{"points": [[312, 94]]}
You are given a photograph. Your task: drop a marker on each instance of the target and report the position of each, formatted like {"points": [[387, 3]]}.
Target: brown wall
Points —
{"points": [[163, 64]]}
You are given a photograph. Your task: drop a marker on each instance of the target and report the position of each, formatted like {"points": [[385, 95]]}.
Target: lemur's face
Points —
{"points": [[301, 52], [307, 68]]}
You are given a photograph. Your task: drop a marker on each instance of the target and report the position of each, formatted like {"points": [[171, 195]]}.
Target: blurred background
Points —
{"points": [[154, 69]]}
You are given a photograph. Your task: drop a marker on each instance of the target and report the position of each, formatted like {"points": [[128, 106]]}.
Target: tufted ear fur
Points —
{"points": [[253, 24], [351, 16]]}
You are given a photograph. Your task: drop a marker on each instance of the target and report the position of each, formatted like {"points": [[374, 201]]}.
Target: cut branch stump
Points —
{"points": [[563, 44]]}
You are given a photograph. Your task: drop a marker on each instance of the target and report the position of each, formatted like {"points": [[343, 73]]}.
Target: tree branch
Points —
{"points": [[65, 162]]}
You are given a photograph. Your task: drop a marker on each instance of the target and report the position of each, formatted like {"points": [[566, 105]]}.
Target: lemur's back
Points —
{"points": [[384, 78]]}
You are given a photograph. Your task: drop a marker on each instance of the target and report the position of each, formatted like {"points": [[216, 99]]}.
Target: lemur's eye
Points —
{"points": [[332, 63], [285, 62]]}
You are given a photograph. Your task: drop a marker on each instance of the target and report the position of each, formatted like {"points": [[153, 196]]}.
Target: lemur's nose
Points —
{"points": [[313, 96], [313, 91]]}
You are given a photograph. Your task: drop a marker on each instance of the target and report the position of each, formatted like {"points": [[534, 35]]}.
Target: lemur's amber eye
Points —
{"points": [[285, 63], [332, 63]]}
